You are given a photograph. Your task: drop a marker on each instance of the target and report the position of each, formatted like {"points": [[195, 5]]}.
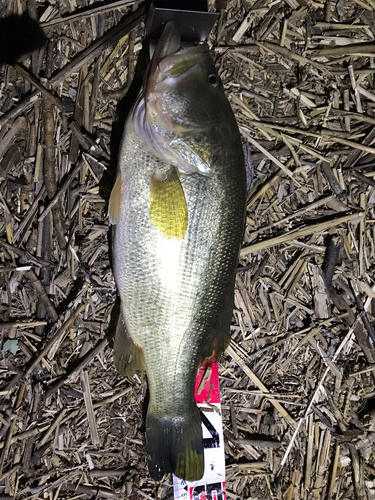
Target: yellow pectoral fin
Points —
{"points": [[168, 210], [114, 206]]}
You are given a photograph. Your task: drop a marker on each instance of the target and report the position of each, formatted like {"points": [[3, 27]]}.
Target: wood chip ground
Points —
{"points": [[297, 381]]}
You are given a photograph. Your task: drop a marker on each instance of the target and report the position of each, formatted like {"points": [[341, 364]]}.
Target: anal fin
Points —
{"points": [[128, 356]]}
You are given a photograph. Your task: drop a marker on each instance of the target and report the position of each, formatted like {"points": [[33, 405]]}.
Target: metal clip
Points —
{"points": [[195, 22]]}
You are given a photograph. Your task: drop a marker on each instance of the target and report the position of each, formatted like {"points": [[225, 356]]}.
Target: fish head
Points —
{"points": [[184, 101]]}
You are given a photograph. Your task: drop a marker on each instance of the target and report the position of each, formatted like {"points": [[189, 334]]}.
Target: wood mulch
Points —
{"points": [[297, 382]]}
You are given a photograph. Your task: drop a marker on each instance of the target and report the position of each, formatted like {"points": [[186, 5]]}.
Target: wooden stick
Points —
{"points": [[269, 155], [31, 324], [39, 288], [95, 439], [36, 83], [12, 133], [297, 213], [272, 47], [298, 233], [345, 340], [30, 214], [261, 386], [101, 8], [55, 338], [357, 49], [12, 428], [89, 356], [111, 36], [60, 191], [324, 135], [334, 472]]}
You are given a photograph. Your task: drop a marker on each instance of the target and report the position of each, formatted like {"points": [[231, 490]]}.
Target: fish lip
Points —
{"points": [[158, 66], [200, 47], [169, 43]]}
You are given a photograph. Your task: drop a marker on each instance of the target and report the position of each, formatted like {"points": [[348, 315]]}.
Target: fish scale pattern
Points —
{"points": [[176, 280], [174, 292]]}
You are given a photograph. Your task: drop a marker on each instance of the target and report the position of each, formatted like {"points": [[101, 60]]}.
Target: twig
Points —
{"points": [[95, 439], [46, 349], [93, 491], [56, 423], [55, 338], [26, 255], [39, 288], [367, 323], [113, 398], [29, 215], [297, 213], [19, 109], [110, 37], [84, 361], [50, 175], [31, 324], [51, 486], [60, 192], [260, 443], [334, 472], [358, 479], [36, 83], [107, 472], [269, 155], [292, 55], [261, 386], [12, 133], [345, 340], [299, 233], [325, 135], [331, 179], [362, 178], [357, 49], [85, 13], [12, 427], [87, 142]]}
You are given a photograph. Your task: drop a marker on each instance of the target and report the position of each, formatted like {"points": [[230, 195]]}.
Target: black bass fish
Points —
{"points": [[178, 207]]}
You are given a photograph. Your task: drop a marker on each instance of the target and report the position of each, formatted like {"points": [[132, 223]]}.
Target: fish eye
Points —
{"points": [[214, 80]]}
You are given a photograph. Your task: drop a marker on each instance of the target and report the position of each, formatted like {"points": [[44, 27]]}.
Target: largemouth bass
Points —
{"points": [[177, 207]]}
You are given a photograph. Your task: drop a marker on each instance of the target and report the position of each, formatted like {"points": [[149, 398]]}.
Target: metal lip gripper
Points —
{"points": [[192, 16]]}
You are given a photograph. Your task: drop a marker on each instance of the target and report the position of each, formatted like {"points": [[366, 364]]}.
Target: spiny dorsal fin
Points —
{"points": [[168, 210], [114, 206], [128, 356]]}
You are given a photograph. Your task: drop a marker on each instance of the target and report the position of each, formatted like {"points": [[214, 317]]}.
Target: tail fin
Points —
{"points": [[175, 446]]}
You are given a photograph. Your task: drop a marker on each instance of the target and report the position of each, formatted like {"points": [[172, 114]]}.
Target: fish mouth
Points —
{"points": [[171, 63], [183, 62], [169, 43], [175, 71], [171, 67]]}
